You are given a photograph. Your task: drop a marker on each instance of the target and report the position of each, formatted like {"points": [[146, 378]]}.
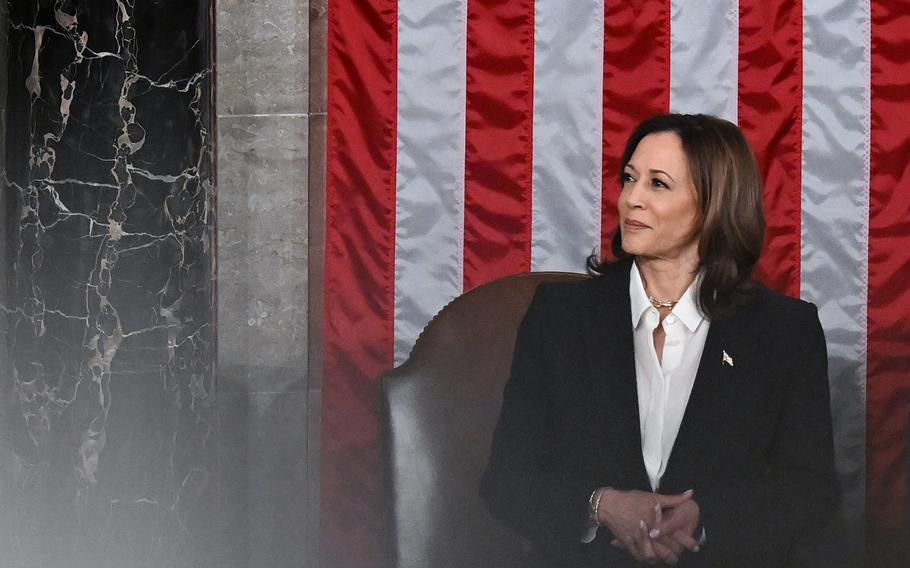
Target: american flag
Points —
{"points": [[473, 139]]}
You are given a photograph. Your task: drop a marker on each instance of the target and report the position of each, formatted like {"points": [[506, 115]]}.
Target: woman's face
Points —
{"points": [[658, 206]]}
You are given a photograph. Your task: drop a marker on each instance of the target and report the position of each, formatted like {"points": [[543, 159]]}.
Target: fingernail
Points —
{"points": [[655, 533], [657, 508], [642, 525], [689, 492], [696, 549]]}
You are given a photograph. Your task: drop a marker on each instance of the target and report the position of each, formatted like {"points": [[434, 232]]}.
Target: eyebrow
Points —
{"points": [[652, 171]]}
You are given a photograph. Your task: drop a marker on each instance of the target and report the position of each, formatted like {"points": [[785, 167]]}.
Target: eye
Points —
{"points": [[657, 182], [627, 178]]}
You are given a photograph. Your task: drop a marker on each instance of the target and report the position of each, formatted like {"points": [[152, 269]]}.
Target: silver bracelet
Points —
{"points": [[594, 503]]}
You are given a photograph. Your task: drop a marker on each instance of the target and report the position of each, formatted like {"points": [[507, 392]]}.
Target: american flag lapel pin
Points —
{"points": [[727, 359]]}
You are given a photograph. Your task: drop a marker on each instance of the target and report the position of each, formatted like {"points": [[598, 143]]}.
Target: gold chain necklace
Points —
{"points": [[669, 304]]}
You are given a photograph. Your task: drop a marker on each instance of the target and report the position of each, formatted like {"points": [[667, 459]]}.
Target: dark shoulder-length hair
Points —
{"points": [[731, 220]]}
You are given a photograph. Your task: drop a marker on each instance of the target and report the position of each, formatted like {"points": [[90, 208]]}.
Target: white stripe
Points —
{"points": [[704, 57], [568, 133], [432, 48], [835, 214]]}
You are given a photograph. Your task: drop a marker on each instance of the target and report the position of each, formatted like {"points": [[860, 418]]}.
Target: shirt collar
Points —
{"points": [[638, 298], [686, 309]]}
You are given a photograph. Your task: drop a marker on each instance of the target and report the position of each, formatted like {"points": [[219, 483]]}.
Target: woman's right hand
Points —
{"points": [[631, 514]]}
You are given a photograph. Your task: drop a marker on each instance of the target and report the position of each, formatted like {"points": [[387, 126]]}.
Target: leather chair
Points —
{"points": [[437, 415]]}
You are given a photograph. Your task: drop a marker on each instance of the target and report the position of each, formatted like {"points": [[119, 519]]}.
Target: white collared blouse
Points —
{"points": [[664, 386]]}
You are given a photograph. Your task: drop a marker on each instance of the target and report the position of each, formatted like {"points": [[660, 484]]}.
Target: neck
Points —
{"points": [[666, 279]]}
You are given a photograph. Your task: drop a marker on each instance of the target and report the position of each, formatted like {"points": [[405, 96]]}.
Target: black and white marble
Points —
{"points": [[108, 418]]}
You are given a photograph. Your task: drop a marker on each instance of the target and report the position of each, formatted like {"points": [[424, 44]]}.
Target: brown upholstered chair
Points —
{"points": [[437, 415]]}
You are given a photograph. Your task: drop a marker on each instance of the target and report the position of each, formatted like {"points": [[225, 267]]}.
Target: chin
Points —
{"points": [[629, 246]]}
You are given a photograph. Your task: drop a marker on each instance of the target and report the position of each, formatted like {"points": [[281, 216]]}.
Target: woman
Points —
{"points": [[669, 409]]}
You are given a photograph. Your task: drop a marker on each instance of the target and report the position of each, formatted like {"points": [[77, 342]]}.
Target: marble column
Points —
{"points": [[107, 450], [4, 354], [4, 39], [5, 440]]}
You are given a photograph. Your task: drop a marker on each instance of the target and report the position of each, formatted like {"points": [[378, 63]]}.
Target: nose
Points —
{"points": [[632, 195]]}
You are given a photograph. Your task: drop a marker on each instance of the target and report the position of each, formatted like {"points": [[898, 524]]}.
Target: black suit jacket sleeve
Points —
{"points": [[527, 484], [799, 491]]}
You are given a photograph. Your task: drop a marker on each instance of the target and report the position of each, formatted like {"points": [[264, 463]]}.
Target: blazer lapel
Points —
{"points": [[691, 436], [611, 355]]}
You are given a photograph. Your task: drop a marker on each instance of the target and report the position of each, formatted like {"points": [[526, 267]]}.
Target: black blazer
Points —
{"points": [[755, 442]]}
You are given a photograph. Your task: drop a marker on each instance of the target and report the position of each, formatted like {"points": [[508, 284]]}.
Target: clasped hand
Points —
{"points": [[652, 527]]}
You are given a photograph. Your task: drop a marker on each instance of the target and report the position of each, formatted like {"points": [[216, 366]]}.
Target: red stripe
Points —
{"points": [[888, 381], [770, 113], [636, 86], [360, 229], [500, 75]]}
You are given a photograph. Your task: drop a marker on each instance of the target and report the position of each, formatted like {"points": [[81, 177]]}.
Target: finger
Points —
{"points": [[685, 540], [676, 519], [665, 553], [670, 501], [675, 547], [645, 543], [630, 545], [658, 518], [672, 525]]}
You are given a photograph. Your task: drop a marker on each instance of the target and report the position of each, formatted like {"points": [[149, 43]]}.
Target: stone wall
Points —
{"points": [[263, 123]]}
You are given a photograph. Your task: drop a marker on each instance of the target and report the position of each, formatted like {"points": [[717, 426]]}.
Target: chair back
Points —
{"points": [[437, 415]]}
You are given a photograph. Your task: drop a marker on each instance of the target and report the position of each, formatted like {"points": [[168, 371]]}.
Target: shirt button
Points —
{"points": [[671, 320]]}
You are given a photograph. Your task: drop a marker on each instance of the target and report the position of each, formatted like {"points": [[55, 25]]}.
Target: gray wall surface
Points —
{"points": [[264, 400]]}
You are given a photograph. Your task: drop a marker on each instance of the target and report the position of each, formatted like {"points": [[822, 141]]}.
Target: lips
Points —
{"points": [[633, 225]]}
